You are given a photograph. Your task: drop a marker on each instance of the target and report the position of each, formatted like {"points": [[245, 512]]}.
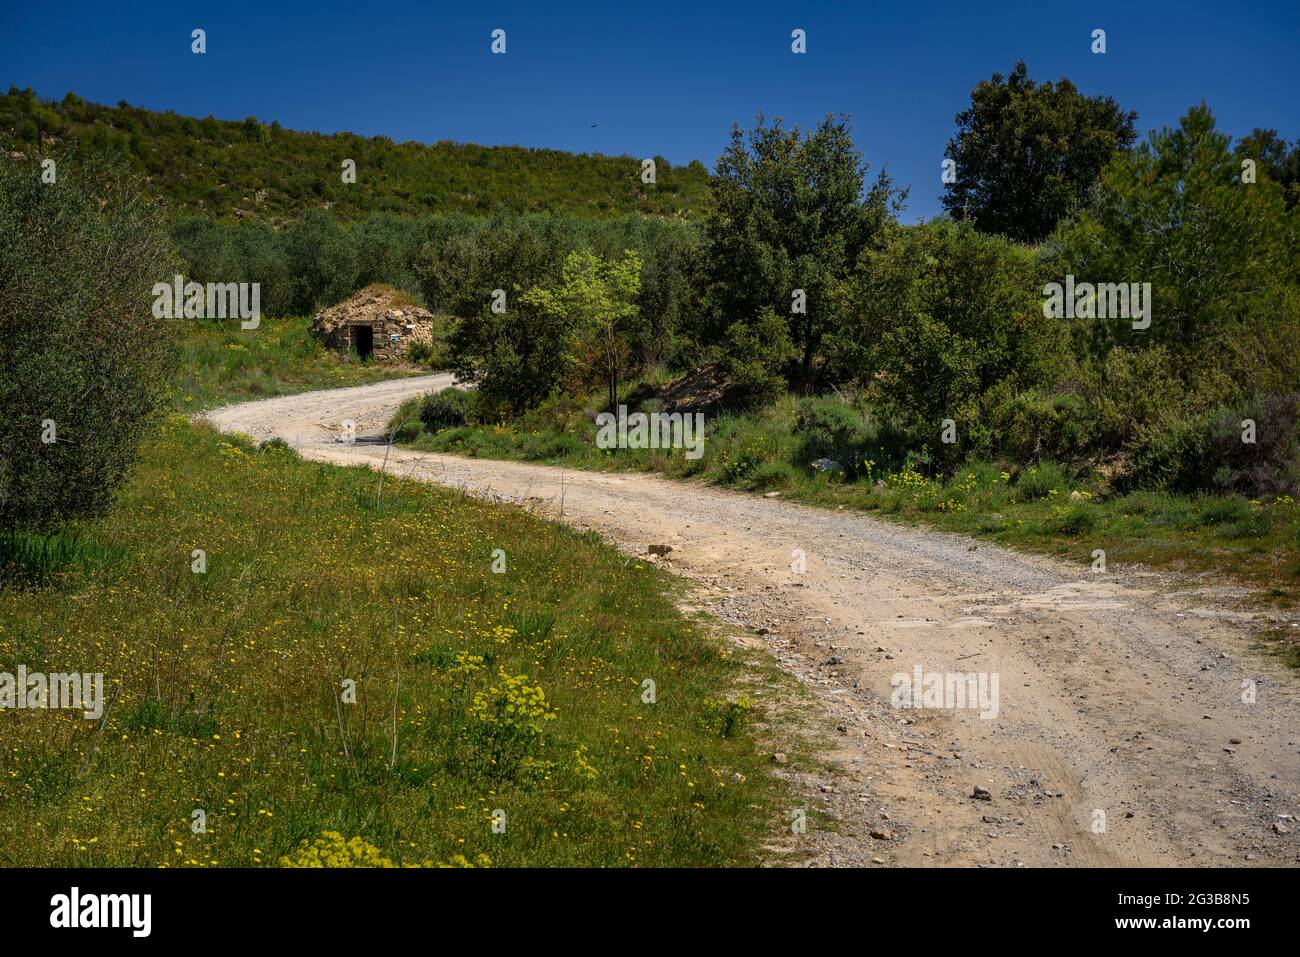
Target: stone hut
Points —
{"points": [[378, 321]]}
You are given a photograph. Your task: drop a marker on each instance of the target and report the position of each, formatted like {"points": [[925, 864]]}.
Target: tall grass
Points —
{"points": [[30, 558]]}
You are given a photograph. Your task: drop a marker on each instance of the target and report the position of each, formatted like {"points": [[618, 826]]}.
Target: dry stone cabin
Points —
{"points": [[379, 322]]}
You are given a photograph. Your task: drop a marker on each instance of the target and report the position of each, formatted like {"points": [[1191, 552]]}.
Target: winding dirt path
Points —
{"points": [[1119, 693]]}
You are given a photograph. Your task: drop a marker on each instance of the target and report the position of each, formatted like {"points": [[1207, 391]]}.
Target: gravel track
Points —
{"points": [[1119, 693]]}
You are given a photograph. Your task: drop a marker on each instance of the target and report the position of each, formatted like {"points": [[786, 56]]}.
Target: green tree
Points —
{"points": [[937, 318], [322, 262], [1279, 163], [1219, 253], [790, 214], [596, 299], [517, 358], [1027, 153]]}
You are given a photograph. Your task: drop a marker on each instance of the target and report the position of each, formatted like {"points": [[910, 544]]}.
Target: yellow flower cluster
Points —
{"points": [[909, 479], [460, 860], [466, 665], [513, 702], [583, 768], [331, 849]]}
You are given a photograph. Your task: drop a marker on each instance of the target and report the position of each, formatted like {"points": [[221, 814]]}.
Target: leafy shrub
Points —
{"points": [[1257, 526], [516, 359], [1132, 389], [1075, 519], [1206, 451], [753, 359], [941, 314], [277, 446], [86, 364], [1162, 453], [771, 475], [741, 462], [1142, 503], [1029, 425], [466, 440], [831, 429], [1039, 481], [1270, 464], [553, 445], [1224, 511], [448, 409], [423, 353]]}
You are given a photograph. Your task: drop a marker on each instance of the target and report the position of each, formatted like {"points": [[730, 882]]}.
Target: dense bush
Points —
{"points": [[552, 446], [1039, 481], [448, 409], [937, 317], [752, 357], [1208, 451], [516, 359], [85, 364], [1026, 426]]}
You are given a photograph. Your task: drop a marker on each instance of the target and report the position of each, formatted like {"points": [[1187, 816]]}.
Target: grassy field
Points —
{"points": [[222, 363], [476, 692], [1042, 509]]}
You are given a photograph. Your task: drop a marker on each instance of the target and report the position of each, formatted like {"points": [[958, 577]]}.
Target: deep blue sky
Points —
{"points": [[663, 77]]}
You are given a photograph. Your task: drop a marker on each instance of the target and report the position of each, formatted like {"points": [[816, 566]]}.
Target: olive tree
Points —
{"points": [[85, 364]]}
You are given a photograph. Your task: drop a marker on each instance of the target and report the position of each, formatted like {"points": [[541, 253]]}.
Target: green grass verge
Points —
{"points": [[475, 692]]}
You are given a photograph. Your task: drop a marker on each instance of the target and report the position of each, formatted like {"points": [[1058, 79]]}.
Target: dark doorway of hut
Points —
{"points": [[363, 341]]}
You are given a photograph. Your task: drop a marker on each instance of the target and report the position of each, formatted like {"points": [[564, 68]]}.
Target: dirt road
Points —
{"points": [[1121, 735]]}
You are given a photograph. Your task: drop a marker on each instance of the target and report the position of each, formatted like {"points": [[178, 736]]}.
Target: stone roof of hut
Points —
{"points": [[371, 306]]}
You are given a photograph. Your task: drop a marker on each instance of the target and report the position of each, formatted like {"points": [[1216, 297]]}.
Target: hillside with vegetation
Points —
{"points": [[253, 170]]}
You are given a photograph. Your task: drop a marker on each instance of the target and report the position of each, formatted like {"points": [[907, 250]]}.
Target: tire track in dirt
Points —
{"points": [[1119, 693]]}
